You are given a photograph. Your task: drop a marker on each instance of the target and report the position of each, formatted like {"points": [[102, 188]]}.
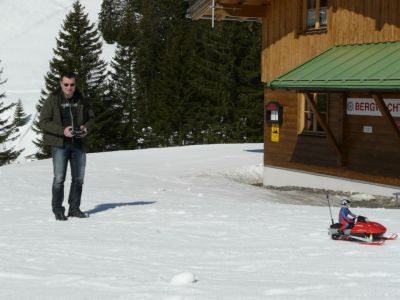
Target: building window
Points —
{"points": [[308, 123], [316, 14]]}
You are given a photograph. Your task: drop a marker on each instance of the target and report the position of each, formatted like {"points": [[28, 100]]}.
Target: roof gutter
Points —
{"points": [[334, 89]]}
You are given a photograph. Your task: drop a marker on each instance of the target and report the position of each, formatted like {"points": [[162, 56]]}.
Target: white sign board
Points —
{"points": [[367, 129], [367, 107], [274, 115]]}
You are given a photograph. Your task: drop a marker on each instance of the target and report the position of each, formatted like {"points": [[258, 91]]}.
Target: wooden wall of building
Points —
{"points": [[282, 46], [286, 44], [376, 153], [294, 148], [355, 21], [373, 157]]}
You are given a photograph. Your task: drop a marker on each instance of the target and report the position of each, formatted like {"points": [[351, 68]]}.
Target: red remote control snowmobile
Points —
{"points": [[364, 231]]}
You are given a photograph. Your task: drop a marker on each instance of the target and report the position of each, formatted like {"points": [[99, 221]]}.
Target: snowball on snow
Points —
{"points": [[183, 279]]}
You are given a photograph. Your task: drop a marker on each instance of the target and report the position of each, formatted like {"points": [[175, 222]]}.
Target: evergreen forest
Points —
{"points": [[172, 81]]}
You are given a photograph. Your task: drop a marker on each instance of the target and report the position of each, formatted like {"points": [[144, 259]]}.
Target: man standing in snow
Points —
{"points": [[66, 118]]}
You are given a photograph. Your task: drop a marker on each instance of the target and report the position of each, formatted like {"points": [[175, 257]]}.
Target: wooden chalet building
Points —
{"points": [[331, 70]]}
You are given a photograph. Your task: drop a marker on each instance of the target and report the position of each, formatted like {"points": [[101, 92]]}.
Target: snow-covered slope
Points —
{"points": [[27, 38], [172, 224]]}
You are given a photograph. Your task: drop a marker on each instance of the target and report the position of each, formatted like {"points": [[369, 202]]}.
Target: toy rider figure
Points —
{"points": [[346, 217]]}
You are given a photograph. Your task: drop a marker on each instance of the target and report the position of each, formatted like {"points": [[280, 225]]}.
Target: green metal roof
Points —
{"points": [[372, 67]]}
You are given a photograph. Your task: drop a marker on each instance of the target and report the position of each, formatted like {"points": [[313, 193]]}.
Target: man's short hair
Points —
{"points": [[68, 74]]}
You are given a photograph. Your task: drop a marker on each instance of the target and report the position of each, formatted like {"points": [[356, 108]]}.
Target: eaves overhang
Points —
{"points": [[373, 67]]}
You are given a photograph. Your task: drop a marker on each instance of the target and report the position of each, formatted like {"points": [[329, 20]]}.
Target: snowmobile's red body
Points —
{"points": [[363, 227]]}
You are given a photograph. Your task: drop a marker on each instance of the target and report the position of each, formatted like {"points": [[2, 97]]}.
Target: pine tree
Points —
{"points": [[196, 84], [192, 84], [20, 118], [248, 117], [160, 29], [78, 49], [227, 106], [147, 52], [176, 67], [123, 78], [209, 79], [110, 19], [7, 131]]}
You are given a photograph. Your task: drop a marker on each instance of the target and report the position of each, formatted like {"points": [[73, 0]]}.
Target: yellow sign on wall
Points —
{"points": [[275, 133]]}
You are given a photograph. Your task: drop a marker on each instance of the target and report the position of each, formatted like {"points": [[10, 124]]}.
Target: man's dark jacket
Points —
{"points": [[50, 118]]}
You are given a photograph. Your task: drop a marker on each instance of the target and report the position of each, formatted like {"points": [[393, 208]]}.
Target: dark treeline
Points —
{"points": [[172, 81]]}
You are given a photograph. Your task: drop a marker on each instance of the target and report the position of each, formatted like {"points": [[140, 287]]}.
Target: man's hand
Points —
{"points": [[68, 131], [83, 131]]}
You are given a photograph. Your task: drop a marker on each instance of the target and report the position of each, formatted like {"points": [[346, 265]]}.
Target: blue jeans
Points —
{"points": [[76, 156]]}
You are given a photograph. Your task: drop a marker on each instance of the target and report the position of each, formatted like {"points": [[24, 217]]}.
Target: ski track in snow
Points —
{"points": [[158, 214]]}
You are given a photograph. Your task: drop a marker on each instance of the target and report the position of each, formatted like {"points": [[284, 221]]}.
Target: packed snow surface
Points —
{"points": [[182, 223]]}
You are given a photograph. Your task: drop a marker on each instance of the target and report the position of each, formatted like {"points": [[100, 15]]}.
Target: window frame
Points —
{"points": [[304, 109], [317, 13]]}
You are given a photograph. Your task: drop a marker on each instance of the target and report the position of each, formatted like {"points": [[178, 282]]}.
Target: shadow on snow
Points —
{"points": [[107, 206], [255, 150]]}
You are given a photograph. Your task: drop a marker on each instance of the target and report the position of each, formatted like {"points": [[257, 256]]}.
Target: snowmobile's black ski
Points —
{"points": [[361, 240]]}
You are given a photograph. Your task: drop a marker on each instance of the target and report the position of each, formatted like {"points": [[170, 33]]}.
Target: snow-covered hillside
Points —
{"points": [[27, 38], [179, 224]]}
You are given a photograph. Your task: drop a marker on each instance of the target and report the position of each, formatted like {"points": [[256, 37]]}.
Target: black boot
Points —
{"points": [[60, 216], [78, 214]]}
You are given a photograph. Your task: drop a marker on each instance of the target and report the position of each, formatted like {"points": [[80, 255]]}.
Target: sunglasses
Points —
{"points": [[69, 84]]}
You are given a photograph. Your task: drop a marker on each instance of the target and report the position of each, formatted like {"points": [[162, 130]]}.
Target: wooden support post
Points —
{"points": [[386, 115], [317, 20], [325, 127]]}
